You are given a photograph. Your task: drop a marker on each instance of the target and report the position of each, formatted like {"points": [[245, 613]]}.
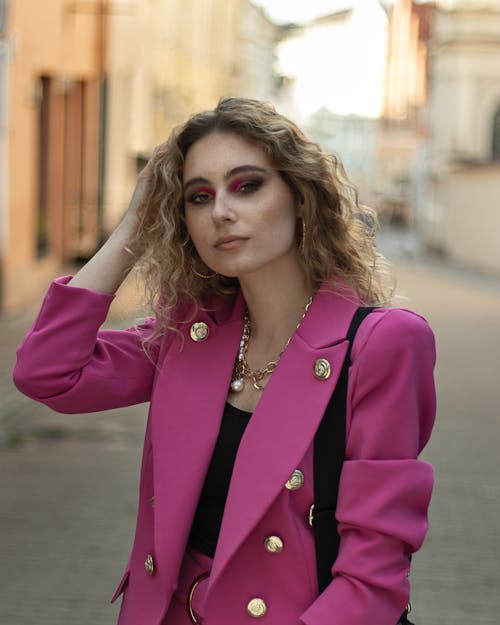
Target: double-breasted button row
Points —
{"points": [[256, 607], [199, 331], [322, 369], [295, 481], [273, 544], [149, 564]]}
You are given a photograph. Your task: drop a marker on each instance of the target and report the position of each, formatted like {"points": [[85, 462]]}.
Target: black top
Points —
{"points": [[208, 517]]}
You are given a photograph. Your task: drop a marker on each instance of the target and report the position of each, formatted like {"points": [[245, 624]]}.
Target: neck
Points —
{"points": [[276, 302]]}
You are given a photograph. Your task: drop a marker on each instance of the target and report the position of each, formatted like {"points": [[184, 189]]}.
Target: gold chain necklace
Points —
{"points": [[241, 367]]}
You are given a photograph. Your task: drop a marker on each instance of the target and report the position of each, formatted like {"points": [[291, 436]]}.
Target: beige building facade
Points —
{"points": [[4, 64], [402, 133], [167, 59], [50, 127], [464, 203], [406, 77]]}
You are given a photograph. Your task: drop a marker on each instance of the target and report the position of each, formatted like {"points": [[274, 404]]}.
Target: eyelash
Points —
{"points": [[245, 188], [249, 186], [199, 198]]}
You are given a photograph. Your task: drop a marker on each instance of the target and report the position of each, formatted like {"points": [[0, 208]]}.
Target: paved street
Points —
{"points": [[456, 577], [68, 506], [69, 483]]}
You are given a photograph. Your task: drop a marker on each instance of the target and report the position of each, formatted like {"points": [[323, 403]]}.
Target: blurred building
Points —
{"points": [[464, 199], [87, 89], [252, 51], [4, 52], [51, 88], [354, 138], [167, 59], [406, 80], [402, 133]]}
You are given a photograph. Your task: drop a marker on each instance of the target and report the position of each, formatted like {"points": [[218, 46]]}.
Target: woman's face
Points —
{"points": [[240, 214]]}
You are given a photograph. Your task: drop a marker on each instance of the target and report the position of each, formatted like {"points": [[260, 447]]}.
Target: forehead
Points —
{"points": [[217, 153]]}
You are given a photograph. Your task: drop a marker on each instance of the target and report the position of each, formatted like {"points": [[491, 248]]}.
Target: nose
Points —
{"points": [[222, 210]]}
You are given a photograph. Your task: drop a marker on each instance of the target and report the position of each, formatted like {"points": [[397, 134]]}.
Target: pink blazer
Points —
{"points": [[66, 362]]}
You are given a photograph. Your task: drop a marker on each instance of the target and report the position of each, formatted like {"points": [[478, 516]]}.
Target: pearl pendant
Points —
{"points": [[237, 385]]}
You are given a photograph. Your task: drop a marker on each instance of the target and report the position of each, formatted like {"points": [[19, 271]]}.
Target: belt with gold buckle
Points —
{"points": [[192, 614]]}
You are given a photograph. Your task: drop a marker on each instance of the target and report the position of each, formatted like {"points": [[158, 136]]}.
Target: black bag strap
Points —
{"points": [[329, 454]]}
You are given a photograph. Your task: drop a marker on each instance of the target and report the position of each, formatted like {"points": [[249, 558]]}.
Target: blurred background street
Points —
{"points": [[407, 92]]}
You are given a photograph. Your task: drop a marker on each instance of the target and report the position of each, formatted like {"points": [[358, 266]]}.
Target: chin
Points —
{"points": [[236, 270]]}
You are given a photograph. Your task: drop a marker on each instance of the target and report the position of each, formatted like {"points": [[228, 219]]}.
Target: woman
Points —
{"points": [[256, 255]]}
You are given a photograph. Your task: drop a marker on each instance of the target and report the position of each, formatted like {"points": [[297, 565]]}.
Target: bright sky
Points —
{"points": [[337, 65], [301, 10]]}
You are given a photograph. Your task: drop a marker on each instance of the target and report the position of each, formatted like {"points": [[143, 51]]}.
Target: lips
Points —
{"points": [[229, 242]]}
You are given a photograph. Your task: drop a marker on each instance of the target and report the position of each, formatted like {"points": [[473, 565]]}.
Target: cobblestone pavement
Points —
{"points": [[67, 513], [69, 483], [456, 577]]}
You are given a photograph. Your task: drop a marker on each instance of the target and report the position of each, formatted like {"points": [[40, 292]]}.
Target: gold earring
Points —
{"points": [[203, 275], [303, 240]]}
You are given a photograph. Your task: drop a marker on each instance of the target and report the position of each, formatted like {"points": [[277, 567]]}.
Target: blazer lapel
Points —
{"points": [[188, 404], [286, 419]]}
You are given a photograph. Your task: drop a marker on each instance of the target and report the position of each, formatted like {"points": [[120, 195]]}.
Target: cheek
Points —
{"points": [[282, 222], [194, 226]]}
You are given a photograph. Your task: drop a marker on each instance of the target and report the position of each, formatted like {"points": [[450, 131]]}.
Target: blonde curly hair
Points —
{"points": [[338, 246]]}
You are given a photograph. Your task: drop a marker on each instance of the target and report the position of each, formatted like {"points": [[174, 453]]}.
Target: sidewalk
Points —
{"points": [[69, 489], [21, 418], [456, 576]]}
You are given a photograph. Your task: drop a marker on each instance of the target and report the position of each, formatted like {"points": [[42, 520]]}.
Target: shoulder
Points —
{"points": [[393, 324], [394, 330], [392, 396]]}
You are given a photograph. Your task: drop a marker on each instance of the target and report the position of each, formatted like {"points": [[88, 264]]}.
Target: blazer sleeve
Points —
{"points": [[384, 489], [68, 363]]}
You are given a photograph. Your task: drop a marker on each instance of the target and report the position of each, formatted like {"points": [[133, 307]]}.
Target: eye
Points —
{"points": [[250, 186], [200, 196], [245, 186]]}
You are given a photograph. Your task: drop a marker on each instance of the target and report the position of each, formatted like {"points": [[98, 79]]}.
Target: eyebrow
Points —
{"points": [[235, 170]]}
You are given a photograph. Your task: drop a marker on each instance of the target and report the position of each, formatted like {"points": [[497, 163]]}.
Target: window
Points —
{"points": [[42, 239], [495, 151]]}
